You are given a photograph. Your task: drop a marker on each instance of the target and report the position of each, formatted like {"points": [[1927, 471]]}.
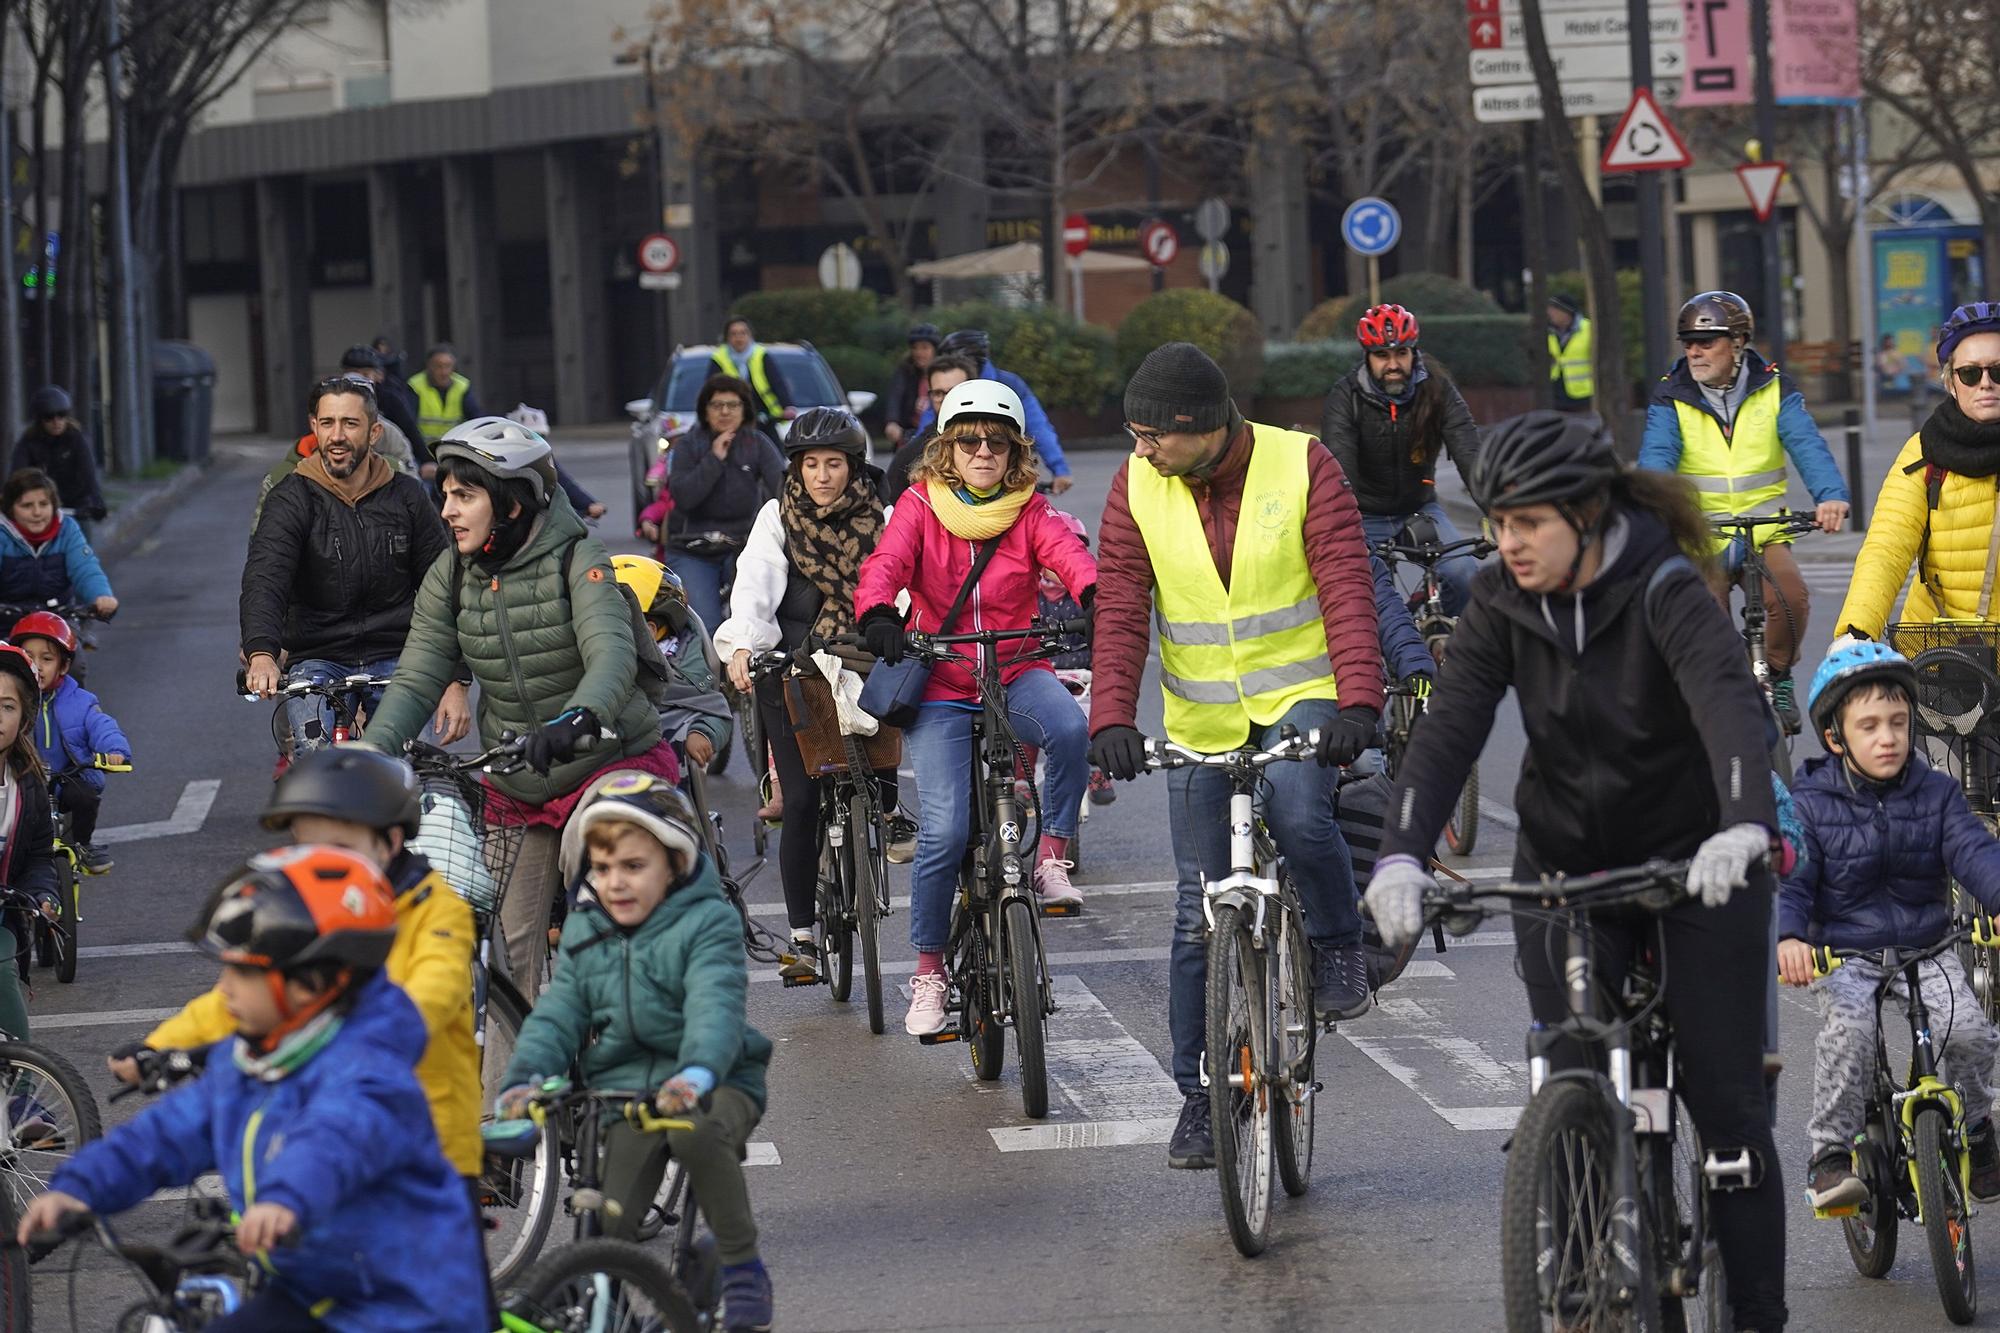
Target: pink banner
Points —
{"points": [[1718, 52], [1815, 52]]}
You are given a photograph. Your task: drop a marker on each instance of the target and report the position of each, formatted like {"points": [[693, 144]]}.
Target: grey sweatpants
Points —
{"points": [[1845, 1055], [529, 898]]}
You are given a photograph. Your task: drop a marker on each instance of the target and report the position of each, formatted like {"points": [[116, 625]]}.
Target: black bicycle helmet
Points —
{"points": [[1543, 457], [970, 343], [349, 783], [1716, 312], [924, 333], [827, 428]]}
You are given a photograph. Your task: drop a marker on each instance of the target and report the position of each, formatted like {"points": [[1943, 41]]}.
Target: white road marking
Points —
{"points": [[1412, 1024], [1495, 813], [1076, 958], [1425, 969], [902, 901], [1105, 1074], [133, 950], [762, 1152], [101, 1018], [1091, 1134], [190, 813]]}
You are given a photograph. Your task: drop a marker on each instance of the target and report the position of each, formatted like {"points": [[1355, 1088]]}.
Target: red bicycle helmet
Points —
{"points": [[15, 663], [45, 625], [1385, 326]]}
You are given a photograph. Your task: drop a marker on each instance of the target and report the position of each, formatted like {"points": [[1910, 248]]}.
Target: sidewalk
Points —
{"points": [[135, 505]]}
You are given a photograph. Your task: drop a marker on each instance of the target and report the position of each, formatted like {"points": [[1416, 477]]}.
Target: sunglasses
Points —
{"points": [[1970, 376], [970, 445], [1701, 339], [346, 384]]}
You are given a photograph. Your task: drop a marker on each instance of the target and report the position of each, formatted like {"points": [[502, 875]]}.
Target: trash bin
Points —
{"points": [[183, 401]]}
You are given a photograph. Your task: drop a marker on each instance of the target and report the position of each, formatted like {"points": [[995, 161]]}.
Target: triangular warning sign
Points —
{"points": [[1645, 140], [1761, 181]]}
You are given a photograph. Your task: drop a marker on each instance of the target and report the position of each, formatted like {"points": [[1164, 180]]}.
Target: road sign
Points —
{"points": [[1591, 97], [1761, 181], [1576, 64], [1583, 27], [1214, 261], [1160, 242], [1076, 235], [659, 254], [1645, 140], [839, 268], [1371, 226], [1718, 53], [659, 282], [1211, 219]]}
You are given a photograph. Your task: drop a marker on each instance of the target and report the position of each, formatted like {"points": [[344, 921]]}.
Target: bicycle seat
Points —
{"points": [[1419, 530]]}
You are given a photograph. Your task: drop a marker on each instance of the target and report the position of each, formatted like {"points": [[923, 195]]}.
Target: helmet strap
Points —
{"points": [[1586, 537], [291, 1020]]}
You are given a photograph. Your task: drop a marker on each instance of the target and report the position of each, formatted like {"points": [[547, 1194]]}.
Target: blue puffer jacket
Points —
{"points": [[1039, 428], [1879, 857], [61, 569], [73, 729], [345, 1142]]}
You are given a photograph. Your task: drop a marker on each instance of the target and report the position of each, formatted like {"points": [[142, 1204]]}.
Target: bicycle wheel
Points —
{"points": [[602, 1285], [1694, 1292], [517, 1195], [1024, 1000], [62, 931], [1239, 1096], [1558, 1268], [1461, 831], [1296, 1049], [49, 1112], [870, 860], [1871, 1231], [16, 1303], [979, 1005], [836, 915], [1947, 1224]]}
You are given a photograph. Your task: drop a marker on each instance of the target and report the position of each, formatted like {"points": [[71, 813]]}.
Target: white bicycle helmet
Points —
{"points": [[504, 449], [983, 398]]}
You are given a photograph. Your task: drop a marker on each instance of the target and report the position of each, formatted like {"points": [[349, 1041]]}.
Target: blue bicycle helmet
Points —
{"points": [[1979, 317], [1844, 669]]}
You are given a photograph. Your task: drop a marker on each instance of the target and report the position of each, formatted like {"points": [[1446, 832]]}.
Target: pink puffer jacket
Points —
{"points": [[916, 552]]}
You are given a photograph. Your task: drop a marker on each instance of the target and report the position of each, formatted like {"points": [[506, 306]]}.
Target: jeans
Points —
{"points": [[1454, 573], [939, 744], [310, 719], [702, 576], [1299, 812]]}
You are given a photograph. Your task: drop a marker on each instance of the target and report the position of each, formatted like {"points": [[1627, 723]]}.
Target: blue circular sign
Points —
{"points": [[1372, 226]]}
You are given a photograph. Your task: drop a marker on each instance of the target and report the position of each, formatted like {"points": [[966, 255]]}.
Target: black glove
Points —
{"points": [[97, 513], [557, 741], [1344, 741], [1089, 604], [1119, 751], [882, 631]]}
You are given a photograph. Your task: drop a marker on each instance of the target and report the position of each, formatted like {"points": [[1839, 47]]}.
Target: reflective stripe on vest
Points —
{"points": [[1743, 471], [1269, 651], [1570, 362], [438, 412], [760, 376]]}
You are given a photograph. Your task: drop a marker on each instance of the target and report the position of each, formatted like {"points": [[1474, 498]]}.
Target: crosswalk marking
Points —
{"points": [[1410, 1026], [1104, 1074]]}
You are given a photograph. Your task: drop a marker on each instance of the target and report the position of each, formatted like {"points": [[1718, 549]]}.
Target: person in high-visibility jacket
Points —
{"points": [[1726, 420], [740, 354], [1244, 543], [444, 397], [1572, 344]]}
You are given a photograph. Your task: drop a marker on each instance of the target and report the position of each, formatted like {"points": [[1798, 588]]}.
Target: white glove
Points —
{"points": [[1396, 899], [1847, 640], [1722, 864]]}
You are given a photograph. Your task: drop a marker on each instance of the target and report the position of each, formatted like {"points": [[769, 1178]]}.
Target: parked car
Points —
{"points": [[800, 377]]}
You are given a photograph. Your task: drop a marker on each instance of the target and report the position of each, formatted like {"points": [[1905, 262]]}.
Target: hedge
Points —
{"points": [[1430, 295], [1306, 369], [859, 367], [808, 314], [1225, 330], [1067, 364]]}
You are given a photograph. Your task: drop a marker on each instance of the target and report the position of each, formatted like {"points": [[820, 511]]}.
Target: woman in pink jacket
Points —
{"points": [[975, 484]]}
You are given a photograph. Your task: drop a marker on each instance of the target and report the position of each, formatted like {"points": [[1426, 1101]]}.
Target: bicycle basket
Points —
{"points": [[1957, 685], [816, 727], [475, 858]]}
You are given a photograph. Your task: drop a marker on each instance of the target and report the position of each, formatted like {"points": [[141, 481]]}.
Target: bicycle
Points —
{"points": [[1418, 544], [56, 942], [1258, 1057], [1741, 530], [76, 613], [598, 1282], [47, 1111], [196, 1278], [1604, 1205], [1912, 1153], [343, 698]]}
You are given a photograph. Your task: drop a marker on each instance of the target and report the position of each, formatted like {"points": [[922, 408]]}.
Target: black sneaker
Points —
{"points": [[1985, 1153], [95, 859], [902, 838], [1832, 1184], [1340, 982], [1192, 1148], [1785, 702]]}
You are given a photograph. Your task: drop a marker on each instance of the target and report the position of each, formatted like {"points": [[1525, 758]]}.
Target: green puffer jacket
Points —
{"points": [[669, 993], [535, 650]]}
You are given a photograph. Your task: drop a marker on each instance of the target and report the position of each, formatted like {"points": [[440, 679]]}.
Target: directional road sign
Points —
{"points": [[1645, 139], [1160, 242], [1761, 181], [1575, 64], [1583, 27], [1590, 97], [1371, 226]]}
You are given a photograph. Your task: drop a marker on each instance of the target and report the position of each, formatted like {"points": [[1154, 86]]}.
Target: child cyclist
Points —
{"points": [[650, 992], [27, 825], [311, 1114], [72, 731], [1885, 835]]}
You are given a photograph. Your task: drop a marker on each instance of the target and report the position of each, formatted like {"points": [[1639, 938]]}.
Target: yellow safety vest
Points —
{"points": [[1246, 653], [1743, 471], [760, 376], [1570, 363], [438, 412]]}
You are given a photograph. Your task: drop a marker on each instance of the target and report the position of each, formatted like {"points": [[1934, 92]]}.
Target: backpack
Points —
{"points": [[653, 677], [1933, 492]]}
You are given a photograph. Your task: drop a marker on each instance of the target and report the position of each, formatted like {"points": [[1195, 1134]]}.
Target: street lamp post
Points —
{"points": [[655, 180]]}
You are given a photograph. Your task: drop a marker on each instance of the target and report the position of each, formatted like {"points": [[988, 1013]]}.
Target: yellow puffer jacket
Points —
{"points": [[432, 962], [1948, 585]]}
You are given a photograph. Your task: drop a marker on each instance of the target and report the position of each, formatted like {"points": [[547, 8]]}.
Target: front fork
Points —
{"points": [[1004, 848]]}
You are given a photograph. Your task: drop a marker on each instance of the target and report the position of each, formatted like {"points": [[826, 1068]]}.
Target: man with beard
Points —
{"points": [[334, 564], [1387, 421]]}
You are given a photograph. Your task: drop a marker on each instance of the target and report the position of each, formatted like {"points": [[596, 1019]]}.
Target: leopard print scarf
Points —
{"points": [[828, 543]]}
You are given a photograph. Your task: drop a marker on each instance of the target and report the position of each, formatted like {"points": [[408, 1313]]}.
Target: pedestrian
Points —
{"points": [[1572, 339], [444, 397], [741, 355], [56, 443]]}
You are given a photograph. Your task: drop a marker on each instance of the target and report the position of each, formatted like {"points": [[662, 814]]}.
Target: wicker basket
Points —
{"points": [[816, 727]]}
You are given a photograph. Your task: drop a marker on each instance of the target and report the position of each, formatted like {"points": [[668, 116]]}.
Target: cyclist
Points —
{"points": [[1572, 342], [1598, 601], [720, 473], [694, 715], [1936, 505], [945, 374], [740, 356], [1726, 420], [974, 489], [1388, 421], [56, 442], [974, 346], [44, 556], [797, 577], [1299, 574], [394, 402], [909, 395], [1888, 835], [529, 600], [334, 566], [444, 397], [652, 993], [27, 825], [71, 731], [312, 1115]]}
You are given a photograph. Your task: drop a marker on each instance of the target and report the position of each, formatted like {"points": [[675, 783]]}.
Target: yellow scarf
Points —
{"points": [[976, 523]]}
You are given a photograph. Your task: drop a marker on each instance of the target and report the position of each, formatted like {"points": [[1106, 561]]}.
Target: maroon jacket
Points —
{"points": [[1335, 548]]}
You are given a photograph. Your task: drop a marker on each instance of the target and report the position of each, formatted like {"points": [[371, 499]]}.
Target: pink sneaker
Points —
{"points": [[927, 996], [1052, 883]]}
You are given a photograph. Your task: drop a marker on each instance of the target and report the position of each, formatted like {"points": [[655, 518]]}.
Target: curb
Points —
{"points": [[125, 527]]}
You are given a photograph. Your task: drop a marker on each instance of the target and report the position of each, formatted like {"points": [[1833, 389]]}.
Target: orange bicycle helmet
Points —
{"points": [[45, 625], [296, 906]]}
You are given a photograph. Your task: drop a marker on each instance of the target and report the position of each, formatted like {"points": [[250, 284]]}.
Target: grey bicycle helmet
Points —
{"points": [[506, 450], [983, 398], [826, 428], [1543, 457], [971, 343], [1716, 312]]}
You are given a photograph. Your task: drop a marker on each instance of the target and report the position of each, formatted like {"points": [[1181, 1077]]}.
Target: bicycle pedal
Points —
{"points": [[790, 982], [1062, 909], [940, 1037]]}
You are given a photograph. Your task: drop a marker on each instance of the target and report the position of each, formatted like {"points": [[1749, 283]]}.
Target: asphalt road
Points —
{"points": [[896, 1191]]}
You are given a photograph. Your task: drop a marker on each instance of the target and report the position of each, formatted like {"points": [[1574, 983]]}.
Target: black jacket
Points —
{"points": [[398, 406], [900, 403], [328, 581], [896, 479], [1643, 745], [721, 495], [69, 460], [1372, 438]]}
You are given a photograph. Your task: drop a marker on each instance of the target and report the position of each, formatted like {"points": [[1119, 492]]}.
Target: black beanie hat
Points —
{"points": [[1178, 388]]}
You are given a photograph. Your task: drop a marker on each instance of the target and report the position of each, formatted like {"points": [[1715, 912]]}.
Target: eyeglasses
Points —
{"points": [[1149, 438], [1970, 376], [1519, 526], [970, 445], [724, 405], [1701, 339]]}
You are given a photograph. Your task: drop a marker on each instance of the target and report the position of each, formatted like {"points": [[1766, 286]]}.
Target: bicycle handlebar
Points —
{"points": [[1434, 553], [162, 1070], [1655, 886], [1825, 957], [1749, 523], [300, 689], [635, 1106], [1162, 754]]}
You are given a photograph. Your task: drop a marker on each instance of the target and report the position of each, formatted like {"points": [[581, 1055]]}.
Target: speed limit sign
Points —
{"points": [[659, 254]]}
